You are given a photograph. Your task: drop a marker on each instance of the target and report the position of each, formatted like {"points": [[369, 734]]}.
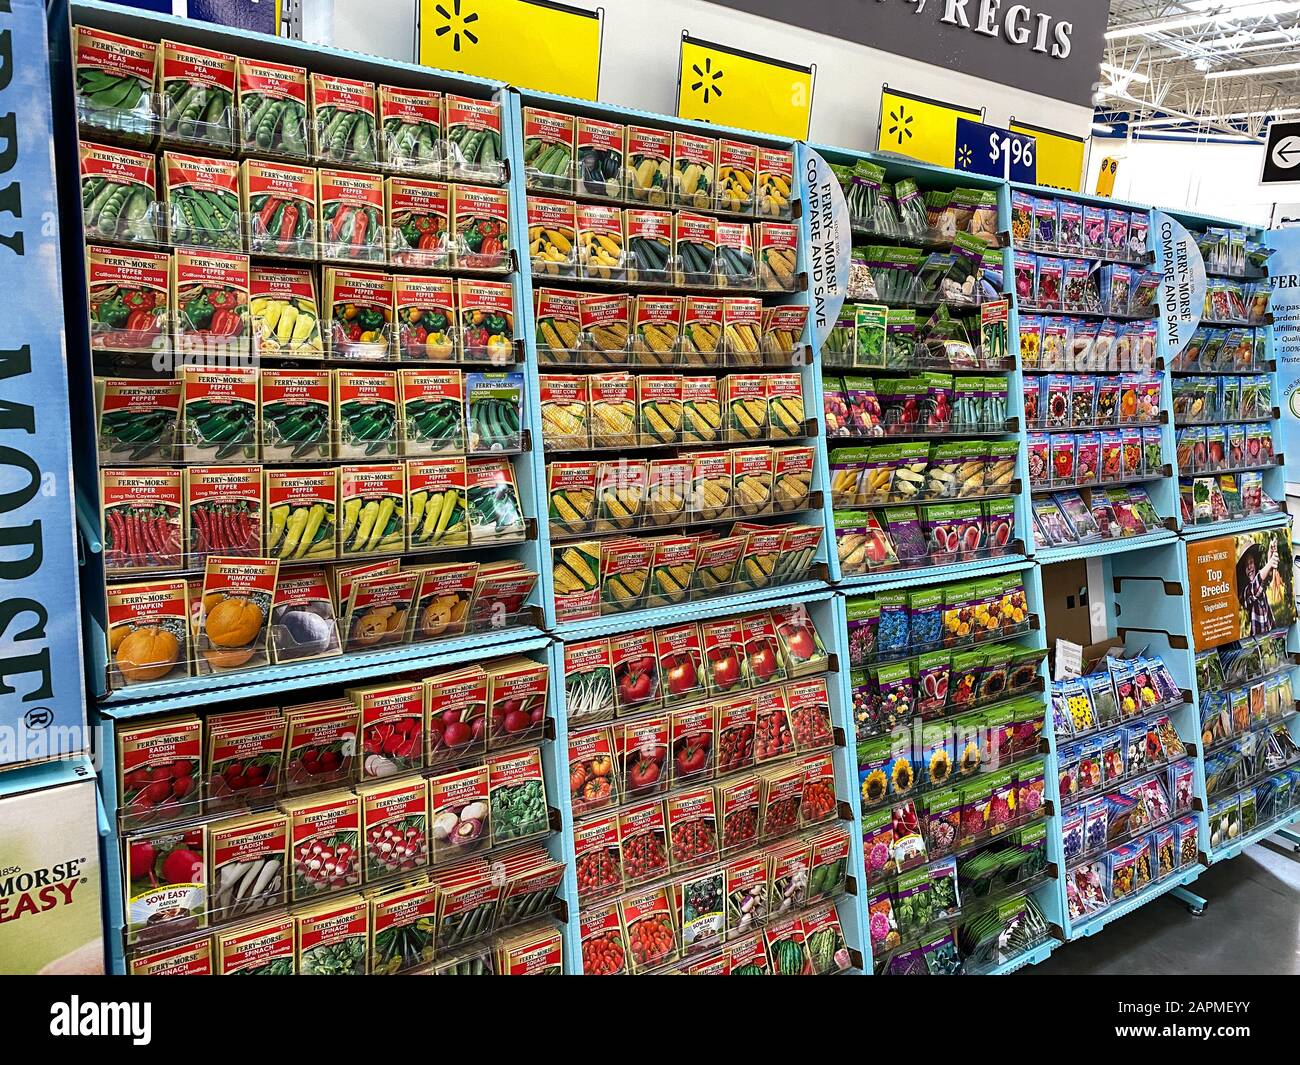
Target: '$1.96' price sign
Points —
{"points": [[995, 152]]}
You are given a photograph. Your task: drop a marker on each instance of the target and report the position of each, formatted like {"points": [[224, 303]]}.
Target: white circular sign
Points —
{"points": [[1286, 153]]}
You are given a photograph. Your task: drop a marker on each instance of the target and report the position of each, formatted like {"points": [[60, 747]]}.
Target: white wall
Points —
{"points": [[1211, 178], [641, 44]]}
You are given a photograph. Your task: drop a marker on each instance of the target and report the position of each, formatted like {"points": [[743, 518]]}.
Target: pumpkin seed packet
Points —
{"points": [[303, 623], [148, 631], [235, 613]]}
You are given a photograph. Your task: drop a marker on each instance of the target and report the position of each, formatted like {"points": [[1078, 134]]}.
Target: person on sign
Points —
{"points": [[1252, 587]]}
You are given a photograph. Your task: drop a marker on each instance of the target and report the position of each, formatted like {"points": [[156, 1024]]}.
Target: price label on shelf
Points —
{"points": [[995, 152]]}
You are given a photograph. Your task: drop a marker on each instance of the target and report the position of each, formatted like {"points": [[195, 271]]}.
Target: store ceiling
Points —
{"points": [[1200, 66]]}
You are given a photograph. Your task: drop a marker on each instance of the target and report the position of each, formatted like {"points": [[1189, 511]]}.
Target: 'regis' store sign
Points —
{"points": [[1049, 47]]}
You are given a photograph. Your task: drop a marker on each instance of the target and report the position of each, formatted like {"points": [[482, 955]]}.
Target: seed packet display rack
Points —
{"points": [[928, 178], [1044, 888], [1272, 474], [1162, 488], [824, 610], [88, 461], [287, 683], [1148, 614], [115, 826], [1283, 823], [569, 186]]}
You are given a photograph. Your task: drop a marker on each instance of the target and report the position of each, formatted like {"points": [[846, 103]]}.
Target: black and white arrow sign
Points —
{"points": [[1282, 153]]}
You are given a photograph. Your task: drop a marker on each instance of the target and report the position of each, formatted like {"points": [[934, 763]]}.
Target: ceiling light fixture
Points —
{"points": [[1120, 74], [1225, 17], [1246, 72]]}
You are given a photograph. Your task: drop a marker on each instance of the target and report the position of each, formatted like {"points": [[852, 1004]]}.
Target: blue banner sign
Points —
{"points": [[1284, 274], [42, 698], [995, 152]]}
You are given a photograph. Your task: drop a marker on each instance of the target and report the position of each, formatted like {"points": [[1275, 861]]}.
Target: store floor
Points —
{"points": [[1251, 926]]}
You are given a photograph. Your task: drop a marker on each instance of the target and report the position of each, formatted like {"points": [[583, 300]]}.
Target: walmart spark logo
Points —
{"points": [[900, 122], [965, 157], [457, 24], [708, 80]]}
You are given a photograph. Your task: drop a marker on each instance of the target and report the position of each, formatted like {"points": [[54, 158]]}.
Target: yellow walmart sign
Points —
{"points": [[1060, 156], [919, 127], [534, 44], [730, 87]]}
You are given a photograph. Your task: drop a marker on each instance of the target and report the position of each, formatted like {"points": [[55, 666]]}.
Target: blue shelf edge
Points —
{"points": [[986, 567], [179, 694], [1033, 956], [707, 608], [1113, 912], [1240, 525], [1101, 548]]}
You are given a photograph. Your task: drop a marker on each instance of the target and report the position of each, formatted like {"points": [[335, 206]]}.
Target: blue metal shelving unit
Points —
{"points": [[813, 593], [937, 177], [327, 60], [1145, 611], [1163, 490], [1135, 601], [825, 610], [1274, 477], [1283, 824], [110, 718], [1049, 894], [189, 693], [649, 617]]}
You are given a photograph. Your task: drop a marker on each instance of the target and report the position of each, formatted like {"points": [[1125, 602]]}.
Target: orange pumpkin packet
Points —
{"points": [[236, 613]]}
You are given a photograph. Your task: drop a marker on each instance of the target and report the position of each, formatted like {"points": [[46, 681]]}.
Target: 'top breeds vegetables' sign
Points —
{"points": [[42, 705], [1240, 586]]}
